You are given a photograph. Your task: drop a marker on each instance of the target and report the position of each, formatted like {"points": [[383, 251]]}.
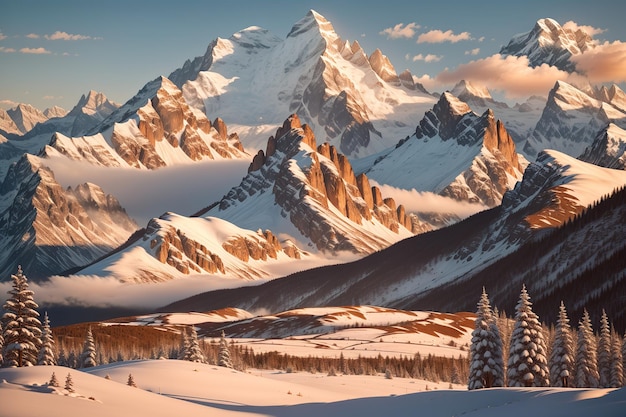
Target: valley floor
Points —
{"points": [[172, 387]]}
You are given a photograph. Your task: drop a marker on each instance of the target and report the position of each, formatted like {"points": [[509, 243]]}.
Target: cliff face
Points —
{"points": [[156, 128], [48, 229], [316, 189]]}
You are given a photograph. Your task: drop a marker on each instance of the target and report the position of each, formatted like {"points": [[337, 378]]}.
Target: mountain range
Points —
{"points": [[348, 161]]}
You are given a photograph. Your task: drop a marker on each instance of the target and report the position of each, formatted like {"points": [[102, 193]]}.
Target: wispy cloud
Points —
{"points": [[2, 36], [35, 51], [604, 63], [438, 36], [8, 104], [427, 202], [64, 36], [401, 31], [474, 51], [590, 30], [52, 97], [427, 58], [33, 36], [511, 74], [7, 50]]}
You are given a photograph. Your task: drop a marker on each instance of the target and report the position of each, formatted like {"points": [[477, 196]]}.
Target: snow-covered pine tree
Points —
{"points": [[586, 355], [617, 366], [224, 353], [53, 381], [562, 354], [88, 356], [22, 328], [486, 364], [528, 365], [184, 344], [604, 352], [131, 381], [69, 384], [194, 352], [46, 352]]}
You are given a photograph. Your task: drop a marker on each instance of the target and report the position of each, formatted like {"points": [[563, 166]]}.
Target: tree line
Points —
{"points": [[538, 356]]}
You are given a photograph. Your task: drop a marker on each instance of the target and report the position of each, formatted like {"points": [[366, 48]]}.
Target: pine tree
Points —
{"points": [[224, 353], [69, 384], [562, 354], [131, 381], [53, 381], [193, 352], [617, 366], [46, 352], [22, 328], [88, 356], [486, 363], [528, 366], [604, 352], [624, 357], [586, 355], [184, 344]]}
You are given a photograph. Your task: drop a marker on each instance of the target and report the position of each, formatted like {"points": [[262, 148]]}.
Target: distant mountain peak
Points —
{"points": [[549, 43]]}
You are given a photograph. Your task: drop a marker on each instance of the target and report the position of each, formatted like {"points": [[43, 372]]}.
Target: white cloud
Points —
{"points": [[2, 36], [36, 51], [33, 36], [427, 58], [7, 50], [8, 104], [401, 31], [474, 51], [427, 202], [438, 36], [590, 30], [604, 63], [481, 39], [64, 36], [511, 74]]}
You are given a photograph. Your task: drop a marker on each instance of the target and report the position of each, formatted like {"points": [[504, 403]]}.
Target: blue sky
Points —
{"points": [[52, 52]]}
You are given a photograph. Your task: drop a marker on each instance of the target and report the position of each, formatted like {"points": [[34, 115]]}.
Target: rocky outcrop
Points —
{"points": [[173, 243], [153, 130], [171, 246], [608, 149], [316, 189], [48, 229]]}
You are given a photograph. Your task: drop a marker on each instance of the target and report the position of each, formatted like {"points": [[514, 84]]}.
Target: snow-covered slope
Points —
{"points": [[550, 43], [357, 103], [48, 229], [570, 121], [26, 117], [310, 192], [608, 148], [173, 246], [169, 387], [455, 153], [153, 129], [554, 189]]}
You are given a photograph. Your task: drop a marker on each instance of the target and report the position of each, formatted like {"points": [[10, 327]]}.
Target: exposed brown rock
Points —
{"points": [[257, 162], [150, 125], [221, 128], [193, 145], [497, 138], [377, 197], [271, 147], [363, 183]]}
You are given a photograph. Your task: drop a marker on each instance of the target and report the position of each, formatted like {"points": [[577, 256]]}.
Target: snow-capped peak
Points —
{"points": [[314, 21], [94, 103], [464, 87], [549, 43]]}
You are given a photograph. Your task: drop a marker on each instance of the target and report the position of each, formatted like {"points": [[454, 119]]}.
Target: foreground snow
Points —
{"points": [[170, 387]]}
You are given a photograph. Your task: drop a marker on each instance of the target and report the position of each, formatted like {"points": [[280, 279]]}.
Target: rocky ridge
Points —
{"points": [[481, 161], [154, 129], [550, 43], [48, 229], [317, 191]]}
